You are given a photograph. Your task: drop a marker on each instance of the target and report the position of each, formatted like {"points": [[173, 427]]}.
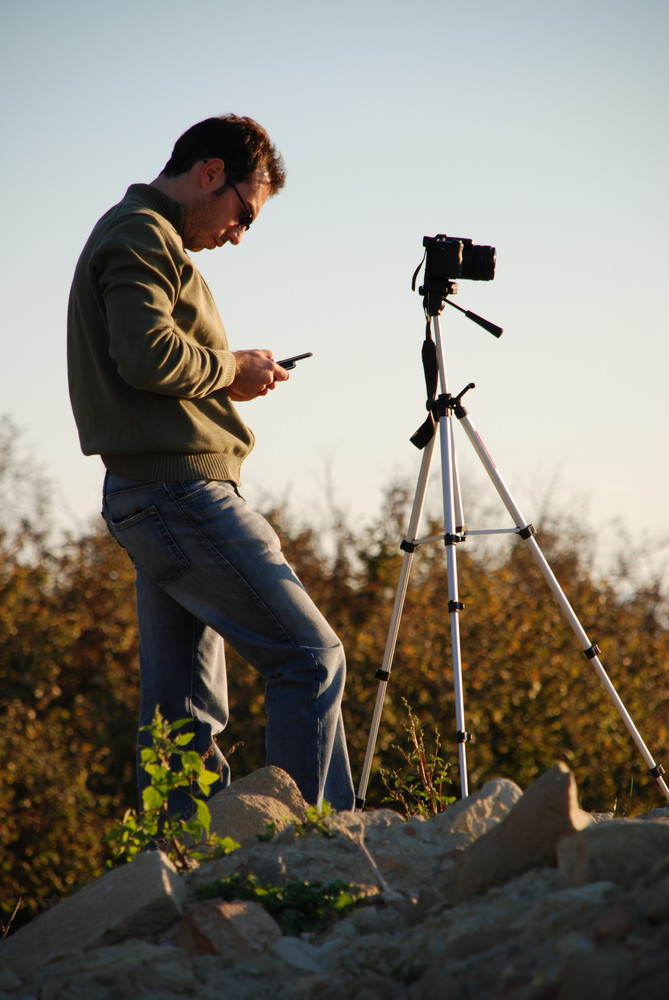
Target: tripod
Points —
{"points": [[441, 410]]}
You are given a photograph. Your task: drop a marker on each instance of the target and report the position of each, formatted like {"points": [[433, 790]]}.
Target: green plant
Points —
{"points": [[624, 811], [269, 833], [185, 841], [296, 906], [421, 793], [315, 821]]}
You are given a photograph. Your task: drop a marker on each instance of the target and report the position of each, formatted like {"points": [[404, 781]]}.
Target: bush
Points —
{"points": [[69, 677]]}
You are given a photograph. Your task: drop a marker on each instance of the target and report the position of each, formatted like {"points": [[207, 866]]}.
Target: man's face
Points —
{"points": [[213, 219]]}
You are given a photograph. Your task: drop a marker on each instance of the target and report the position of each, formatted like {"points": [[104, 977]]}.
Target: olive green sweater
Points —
{"points": [[148, 358]]}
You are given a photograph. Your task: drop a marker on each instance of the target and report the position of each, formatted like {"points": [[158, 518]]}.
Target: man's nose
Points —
{"points": [[236, 235]]}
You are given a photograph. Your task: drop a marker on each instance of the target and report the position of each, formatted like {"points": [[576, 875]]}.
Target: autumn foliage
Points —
{"points": [[69, 679]]}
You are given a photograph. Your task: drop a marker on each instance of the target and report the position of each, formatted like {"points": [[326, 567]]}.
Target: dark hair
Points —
{"points": [[242, 144]]}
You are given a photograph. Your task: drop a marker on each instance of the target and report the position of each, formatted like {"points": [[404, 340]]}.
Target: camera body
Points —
{"points": [[449, 257]]}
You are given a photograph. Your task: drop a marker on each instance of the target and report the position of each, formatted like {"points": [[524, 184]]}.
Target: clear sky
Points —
{"points": [[536, 127]]}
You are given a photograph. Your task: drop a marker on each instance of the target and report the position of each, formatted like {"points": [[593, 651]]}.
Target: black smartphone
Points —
{"points": [[289, 363]]}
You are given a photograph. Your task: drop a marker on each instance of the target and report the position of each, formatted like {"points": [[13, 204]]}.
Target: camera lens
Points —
{"points": [[478, 263]]}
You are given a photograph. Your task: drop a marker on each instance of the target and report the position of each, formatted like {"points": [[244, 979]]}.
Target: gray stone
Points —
{"points": [[527, 838], [299, 954], [313, 857], [571, 908], [620, 851], [244, 809], [653, 900], [142, 898], [589, 973], [240, 929], [9, 980], [132, 969], [480, 811]]}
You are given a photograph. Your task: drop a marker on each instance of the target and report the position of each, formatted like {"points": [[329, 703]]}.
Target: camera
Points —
{"points": [[449, 257]]}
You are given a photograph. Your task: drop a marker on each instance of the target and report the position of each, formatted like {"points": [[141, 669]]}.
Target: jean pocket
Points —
{"points": [[148, 542]]}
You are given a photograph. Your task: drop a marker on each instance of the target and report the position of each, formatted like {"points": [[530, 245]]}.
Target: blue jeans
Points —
{"points": [[209, 568]]}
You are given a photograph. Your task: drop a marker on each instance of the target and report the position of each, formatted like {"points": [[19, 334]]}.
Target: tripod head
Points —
{"points": [[447, 258]]}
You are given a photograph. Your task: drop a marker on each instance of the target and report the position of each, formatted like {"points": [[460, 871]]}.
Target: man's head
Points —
{"points": [[242, 144], [223, 170]]}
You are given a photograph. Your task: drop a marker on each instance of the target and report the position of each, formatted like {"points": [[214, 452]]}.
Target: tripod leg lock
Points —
{"points": [[407, 546], [463, 737], [657, 771], [382, 675], [527, 531], [592, 651], [455, 606]]}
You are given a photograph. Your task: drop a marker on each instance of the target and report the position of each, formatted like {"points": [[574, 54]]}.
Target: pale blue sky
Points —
{"points": [[539, 128]]}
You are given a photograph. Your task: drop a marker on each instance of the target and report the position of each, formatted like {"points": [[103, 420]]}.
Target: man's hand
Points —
{"points": [[257, 373]]}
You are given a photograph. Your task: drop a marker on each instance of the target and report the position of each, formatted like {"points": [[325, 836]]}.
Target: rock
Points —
{"points": [[310, 858], [480, 811], [9, 980], [299, 954], [620, 851], [272, 783], [244, 809], [591, 973], [527, 838], [241, 929], [571, 909], [133, 969], [653, 899], [144, 897]]}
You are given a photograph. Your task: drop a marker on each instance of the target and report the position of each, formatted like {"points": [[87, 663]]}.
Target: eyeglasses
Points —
{"points": [[246, 218]]}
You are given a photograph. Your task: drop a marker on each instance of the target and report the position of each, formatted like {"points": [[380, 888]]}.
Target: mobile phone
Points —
{"points": [[289, 363]]}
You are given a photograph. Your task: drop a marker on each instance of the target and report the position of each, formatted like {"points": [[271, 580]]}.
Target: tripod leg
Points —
{"points": [[460, 522], [452, 505], [591, 651], [383, 673]]}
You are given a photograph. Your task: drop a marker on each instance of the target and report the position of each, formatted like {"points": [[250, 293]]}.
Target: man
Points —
{"points": [[152, 383]]}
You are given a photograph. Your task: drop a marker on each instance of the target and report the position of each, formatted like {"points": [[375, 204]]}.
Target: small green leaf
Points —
{"points": [[152, 799], [203, 814], [207, 778], [191, 760]]}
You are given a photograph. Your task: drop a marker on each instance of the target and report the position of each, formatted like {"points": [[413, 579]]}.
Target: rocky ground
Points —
{"points": [[505, 894]]}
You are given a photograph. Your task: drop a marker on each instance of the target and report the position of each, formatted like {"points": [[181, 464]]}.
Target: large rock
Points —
{"points": [[621, 851], [527, 838], [140, 899], [313, 857], [128, 971], [244, 809], [241, 929], [480, 811], [411, 854]]}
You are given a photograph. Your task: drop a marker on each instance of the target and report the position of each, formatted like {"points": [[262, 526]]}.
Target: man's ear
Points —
{"points": [[211, 173]]}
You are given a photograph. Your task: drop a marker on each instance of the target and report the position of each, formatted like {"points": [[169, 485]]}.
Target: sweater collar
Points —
{"points": [[159, 202]]}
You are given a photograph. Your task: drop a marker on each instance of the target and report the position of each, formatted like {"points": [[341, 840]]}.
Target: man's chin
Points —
{"points": [[211, 244]]}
